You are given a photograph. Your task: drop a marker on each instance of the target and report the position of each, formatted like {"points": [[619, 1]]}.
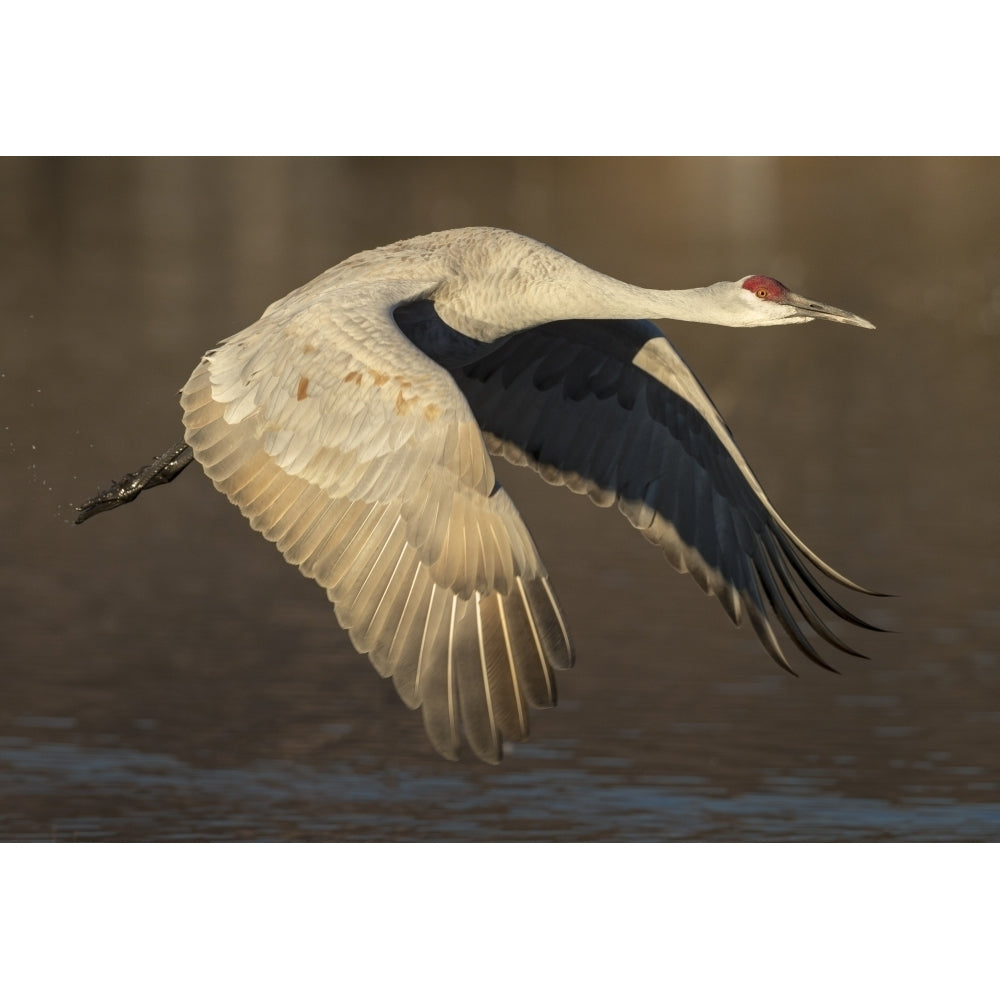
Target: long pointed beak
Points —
{"points": [[817, 310]]}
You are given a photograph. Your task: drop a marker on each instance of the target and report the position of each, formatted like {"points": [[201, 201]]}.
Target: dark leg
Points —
{"points": [[161, 470]]}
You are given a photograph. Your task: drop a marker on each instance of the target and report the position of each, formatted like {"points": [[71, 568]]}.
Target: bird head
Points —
{"points": [[763, 301]]}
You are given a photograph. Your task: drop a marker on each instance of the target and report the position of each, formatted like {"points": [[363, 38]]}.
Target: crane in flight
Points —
{"points": [[353, 424]]}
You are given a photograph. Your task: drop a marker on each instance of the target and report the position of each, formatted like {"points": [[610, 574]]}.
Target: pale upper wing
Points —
{"points": [[608, 408], [360, 459]]}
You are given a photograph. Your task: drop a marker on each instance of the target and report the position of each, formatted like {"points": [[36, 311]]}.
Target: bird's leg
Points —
{"points": [[161, 470]]}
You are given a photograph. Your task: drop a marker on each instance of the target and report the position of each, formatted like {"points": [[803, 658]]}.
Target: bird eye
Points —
{"points": [[761, 293]]}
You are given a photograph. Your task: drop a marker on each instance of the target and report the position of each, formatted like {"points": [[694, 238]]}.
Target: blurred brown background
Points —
{"points": [[165, 675]]}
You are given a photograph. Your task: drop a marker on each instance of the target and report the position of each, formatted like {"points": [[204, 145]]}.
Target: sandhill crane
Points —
{"points": [[352, 425]]}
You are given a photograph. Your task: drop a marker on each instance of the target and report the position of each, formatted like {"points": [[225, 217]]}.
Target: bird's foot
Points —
{"points": [[161, 470]]}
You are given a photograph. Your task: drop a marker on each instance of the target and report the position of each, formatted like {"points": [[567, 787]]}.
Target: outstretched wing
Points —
{"points": [[360, 459], [608, 408]]}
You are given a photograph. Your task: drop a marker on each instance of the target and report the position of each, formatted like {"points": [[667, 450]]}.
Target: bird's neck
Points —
{"points": [[572, 291], [609, 298]]}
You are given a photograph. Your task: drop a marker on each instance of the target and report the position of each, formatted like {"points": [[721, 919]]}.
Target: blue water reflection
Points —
{"points": [[131, 795]]}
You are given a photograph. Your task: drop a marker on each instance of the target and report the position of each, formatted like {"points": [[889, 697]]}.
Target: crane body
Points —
{"points": [[353, 426]]}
